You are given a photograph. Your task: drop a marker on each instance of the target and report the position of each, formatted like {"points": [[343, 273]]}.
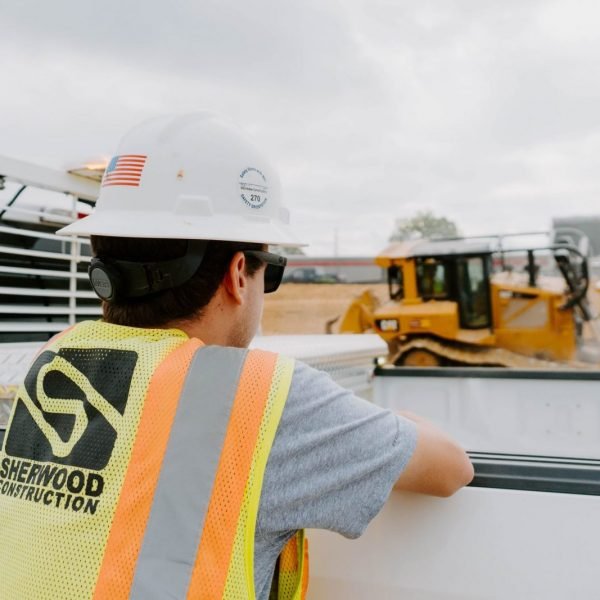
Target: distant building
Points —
{"points": [[347, 269]]}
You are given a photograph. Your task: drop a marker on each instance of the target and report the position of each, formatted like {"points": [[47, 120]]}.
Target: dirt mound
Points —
{"points": [[298, 308]]}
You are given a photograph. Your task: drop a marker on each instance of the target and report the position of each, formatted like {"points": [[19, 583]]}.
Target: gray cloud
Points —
{"points": [[484, 112]]}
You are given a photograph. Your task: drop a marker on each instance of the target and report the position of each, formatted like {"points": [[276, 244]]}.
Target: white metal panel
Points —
{"points": [[42, 272], [348, 359], [38, 234], [479, 544], [15, 360], [16, 291], [65, 286], [40, 254], [5, 408], [36, 309], [323, 347], [49, 217], [548, 417], [56, 326], [12, 351], [48, 179]]}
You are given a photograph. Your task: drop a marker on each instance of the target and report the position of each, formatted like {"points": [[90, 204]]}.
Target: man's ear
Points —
{"points": [[236, 280]]}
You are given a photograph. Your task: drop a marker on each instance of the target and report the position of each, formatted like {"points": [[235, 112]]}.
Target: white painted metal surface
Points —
{"points": [[32, 314], [548, 417], [49, 179], [347, 358], [15, 360], [480, 544], [322, 347], [484, 543], [40, 271]]}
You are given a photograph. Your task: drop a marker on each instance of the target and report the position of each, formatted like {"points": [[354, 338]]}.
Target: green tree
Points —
{"points": [[423, 225]]}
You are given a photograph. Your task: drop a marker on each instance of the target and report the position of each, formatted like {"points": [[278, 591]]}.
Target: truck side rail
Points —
{"points": [[536, 473]]}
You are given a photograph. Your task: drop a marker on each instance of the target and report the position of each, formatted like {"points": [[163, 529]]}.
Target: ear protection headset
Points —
{"points": [[119, 279]]}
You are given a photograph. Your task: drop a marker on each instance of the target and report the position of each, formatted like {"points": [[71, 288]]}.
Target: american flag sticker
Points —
{"points": [[124, 170]]}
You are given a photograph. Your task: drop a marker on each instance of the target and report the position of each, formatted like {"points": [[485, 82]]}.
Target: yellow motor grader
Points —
{"points": [[467, 302]]}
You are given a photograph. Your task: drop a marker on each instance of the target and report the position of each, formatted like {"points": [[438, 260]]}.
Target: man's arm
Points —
{"points": [[438, 466]]}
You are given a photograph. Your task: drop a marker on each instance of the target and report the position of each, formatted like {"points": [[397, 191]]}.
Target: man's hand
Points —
{"points": [[438, 466]]}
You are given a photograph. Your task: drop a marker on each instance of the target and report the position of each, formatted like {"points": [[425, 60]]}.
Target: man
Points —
{"points": [[150, 455]]}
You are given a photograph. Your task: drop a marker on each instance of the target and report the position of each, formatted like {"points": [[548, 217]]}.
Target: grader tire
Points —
{"points": [[419, 357]]}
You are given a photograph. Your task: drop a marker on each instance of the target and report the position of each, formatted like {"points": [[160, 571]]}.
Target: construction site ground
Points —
{"points": [[305, 308]]}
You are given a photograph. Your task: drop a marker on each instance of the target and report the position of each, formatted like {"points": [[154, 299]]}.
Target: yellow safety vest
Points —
{"points": [[132, 467]]}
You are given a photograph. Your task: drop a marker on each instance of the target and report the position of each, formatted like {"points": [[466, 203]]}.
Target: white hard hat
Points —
{"points": [[194, 176]]}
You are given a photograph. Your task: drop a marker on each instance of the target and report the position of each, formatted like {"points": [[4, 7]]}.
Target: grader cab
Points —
{"points": [[472, 303]]}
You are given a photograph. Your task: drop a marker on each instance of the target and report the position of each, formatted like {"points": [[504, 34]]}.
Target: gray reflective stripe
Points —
{"points": [[172, 536]]}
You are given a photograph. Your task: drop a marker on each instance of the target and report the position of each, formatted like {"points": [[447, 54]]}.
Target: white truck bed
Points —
{"points": [[528, 526], [479, 544]]}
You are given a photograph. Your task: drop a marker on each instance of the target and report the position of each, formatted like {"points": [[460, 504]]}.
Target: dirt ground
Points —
{"points": [[298, 308], [302, 308]]}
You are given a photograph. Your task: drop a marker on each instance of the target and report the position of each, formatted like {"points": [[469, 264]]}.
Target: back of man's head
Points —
{"points": [[183, 302]]}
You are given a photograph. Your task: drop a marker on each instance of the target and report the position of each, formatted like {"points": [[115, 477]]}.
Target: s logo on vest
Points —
{"points": [[72, 407]]}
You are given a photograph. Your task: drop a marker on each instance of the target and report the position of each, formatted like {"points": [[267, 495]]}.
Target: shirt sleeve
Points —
{"points": [[334, 459]]}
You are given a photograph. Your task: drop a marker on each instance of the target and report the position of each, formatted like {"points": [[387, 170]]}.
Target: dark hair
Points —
{"points": [[182, 302]]}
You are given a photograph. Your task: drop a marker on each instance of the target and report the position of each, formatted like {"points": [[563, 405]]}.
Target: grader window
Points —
{"points": [[473, 293], [395, 283], [432, 279]]}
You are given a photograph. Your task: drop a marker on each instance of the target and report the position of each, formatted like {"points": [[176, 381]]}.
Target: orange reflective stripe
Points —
{"points": [[214, 553], [305, 569], [293, 568], [135, 501], [288, 559]]}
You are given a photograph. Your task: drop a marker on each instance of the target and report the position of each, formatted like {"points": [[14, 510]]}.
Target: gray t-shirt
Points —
{"points": [[332, 466]]}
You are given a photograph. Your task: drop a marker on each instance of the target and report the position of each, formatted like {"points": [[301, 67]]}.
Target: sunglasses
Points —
{"points": [[274, 269]]}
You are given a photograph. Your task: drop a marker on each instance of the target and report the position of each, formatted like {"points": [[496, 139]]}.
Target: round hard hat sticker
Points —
{"points": [[253, 187]]}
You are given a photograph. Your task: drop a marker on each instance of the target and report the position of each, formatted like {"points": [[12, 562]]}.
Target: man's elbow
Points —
{"points": [[460, 477], [439, 466]]}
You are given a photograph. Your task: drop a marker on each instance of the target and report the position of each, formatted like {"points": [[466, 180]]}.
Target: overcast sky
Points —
{"points": [[484, 111]]}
